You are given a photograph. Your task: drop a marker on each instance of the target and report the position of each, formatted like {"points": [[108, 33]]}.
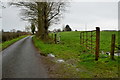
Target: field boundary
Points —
{"points": [[88, 41]]}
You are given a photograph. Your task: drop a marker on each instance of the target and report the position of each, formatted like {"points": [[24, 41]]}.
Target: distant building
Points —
{"points": [[67, 28]]}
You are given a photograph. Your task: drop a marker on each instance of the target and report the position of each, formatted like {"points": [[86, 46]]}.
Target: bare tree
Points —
{"points": [[44, 14], [2, 5]]}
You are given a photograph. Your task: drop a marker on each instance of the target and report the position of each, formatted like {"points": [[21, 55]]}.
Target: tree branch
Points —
{"points": [[56, 13]]}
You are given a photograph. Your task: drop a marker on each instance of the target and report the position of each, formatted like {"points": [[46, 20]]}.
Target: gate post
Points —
{"points": [[55, 39], [112, 46], [97, 43]]}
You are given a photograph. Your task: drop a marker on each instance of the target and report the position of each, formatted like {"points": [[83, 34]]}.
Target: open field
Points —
{"points": [[71, 51], [105, 41]]}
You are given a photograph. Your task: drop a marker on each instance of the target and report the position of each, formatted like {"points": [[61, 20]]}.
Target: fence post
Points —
{"points": [[83, 40], [112, 46], [91, 41], [97, 43], [86, 40], [52, 36], [80, 38], [55, 39]]}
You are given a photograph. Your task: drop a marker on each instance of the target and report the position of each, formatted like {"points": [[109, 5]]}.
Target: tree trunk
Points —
{"points": [[45, 21], [44, 35], [42, 22]]}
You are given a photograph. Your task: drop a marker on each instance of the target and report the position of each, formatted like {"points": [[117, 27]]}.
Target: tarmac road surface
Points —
{"points": [[21, 60]]}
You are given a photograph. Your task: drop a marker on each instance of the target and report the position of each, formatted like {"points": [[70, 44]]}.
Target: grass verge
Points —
{"points": [[8, 43]]}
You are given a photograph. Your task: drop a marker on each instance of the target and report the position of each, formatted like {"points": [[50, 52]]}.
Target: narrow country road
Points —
{"points": [[21, 60]]}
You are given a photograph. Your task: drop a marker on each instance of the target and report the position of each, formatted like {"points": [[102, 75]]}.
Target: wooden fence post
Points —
{"points": [[52, 36], [112, 46], [83, 40], [55, 39], [97, 43], [91, 41], [80, 38], [86, 40]]}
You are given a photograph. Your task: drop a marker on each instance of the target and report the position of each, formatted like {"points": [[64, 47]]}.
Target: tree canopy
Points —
{"points": [[43, 14]]}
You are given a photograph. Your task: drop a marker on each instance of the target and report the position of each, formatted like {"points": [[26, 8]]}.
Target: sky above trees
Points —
{"points": [[79, 15]]}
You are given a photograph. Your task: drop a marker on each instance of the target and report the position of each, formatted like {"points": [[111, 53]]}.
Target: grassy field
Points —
{"points": [[106, 40], [72, 52], [8, 43]]}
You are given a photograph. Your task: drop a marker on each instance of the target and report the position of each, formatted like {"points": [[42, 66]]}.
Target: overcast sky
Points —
{"points": [[79, 15]]}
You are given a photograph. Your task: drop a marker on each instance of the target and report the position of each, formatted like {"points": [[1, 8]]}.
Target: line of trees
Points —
{"points": [[42, 14]]}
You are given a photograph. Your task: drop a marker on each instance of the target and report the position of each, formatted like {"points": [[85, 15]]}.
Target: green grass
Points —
{"points": [[8, 43], [103, 68], [105, 40], [70, 49]]}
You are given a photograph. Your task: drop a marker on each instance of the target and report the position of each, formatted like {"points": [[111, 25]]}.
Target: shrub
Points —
{"points": [[11, 35]]}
